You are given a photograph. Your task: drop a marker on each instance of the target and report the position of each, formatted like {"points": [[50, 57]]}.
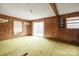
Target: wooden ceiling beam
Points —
{"points": [[54, 8]]}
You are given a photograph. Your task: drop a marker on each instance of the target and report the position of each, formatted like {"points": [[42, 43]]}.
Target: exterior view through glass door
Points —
{"points": [[38, 29]]}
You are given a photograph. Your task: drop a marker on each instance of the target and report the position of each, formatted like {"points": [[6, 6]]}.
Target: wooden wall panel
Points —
{"points": [[69, 35], [53, 30], [29, 29], [6, 29], [0, 30], [51, 27]]}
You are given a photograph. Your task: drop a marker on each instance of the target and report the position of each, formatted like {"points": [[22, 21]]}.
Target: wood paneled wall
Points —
{"points": [[51, 27], [69, 35], [53, 30], [29, 29], [0, 29], [6, 29]]}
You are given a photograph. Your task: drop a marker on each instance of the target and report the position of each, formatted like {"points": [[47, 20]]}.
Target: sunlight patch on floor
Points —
{"points": [[36, 46]]}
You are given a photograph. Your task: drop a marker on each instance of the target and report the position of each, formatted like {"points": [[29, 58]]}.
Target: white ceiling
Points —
{"points": [[64, 8], [30, 11], [27, 11]]}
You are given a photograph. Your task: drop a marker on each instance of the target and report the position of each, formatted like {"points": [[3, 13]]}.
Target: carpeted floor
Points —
{"points": [[36, 46]]}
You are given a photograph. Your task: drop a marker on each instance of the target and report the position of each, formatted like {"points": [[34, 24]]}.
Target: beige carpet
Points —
{"points": [[36, 46]]}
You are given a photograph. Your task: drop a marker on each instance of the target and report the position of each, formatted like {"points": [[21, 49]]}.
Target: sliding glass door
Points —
{"points": [[38, 29]]}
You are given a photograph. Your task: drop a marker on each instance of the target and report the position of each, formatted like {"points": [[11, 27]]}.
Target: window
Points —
{"points": [[73, 22], [38, 28], [17, 27]]}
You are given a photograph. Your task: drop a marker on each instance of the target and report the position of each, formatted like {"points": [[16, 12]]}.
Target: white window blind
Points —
{"points": [[72, 22]]}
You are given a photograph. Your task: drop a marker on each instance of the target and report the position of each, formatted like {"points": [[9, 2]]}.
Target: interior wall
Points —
{"points": [[29, 29], [53, 30], [51, 27], [0, 29], [6, 29], [69, 35]]}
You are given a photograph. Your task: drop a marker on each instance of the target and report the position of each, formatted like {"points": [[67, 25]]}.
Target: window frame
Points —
{"points": [[38, 31], [72, 21], [21, 27]]}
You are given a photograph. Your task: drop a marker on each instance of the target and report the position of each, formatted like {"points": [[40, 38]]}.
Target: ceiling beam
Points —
{"points": [[54, 8]]}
